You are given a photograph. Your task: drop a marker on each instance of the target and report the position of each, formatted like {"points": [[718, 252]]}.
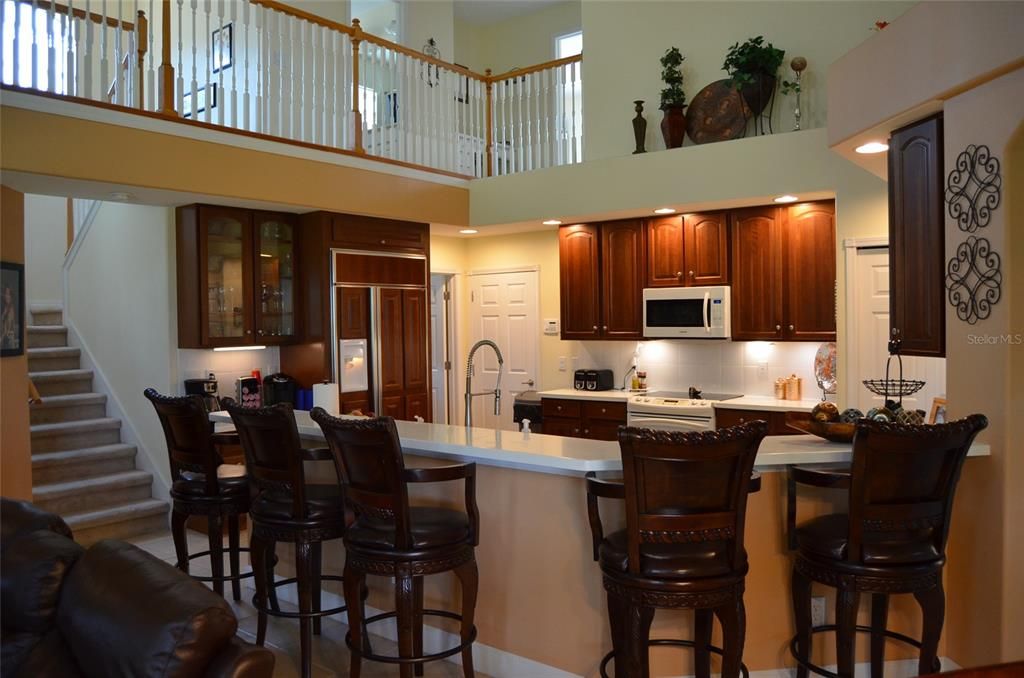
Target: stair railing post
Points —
{"points": [[490, 123], [141, 31], [166, 71], [357, 115]]}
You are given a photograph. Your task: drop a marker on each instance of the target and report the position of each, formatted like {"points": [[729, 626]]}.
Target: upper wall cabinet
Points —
{"points": [[917, 239], [236, 273], [784, 273], [579, 277], [688, 250]]}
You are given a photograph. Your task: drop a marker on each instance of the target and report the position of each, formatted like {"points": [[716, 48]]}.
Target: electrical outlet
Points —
{"points": [[561, 363], [818, 611], [762, 370]]}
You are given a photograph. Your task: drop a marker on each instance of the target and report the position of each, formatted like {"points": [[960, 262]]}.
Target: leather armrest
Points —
{"points": [[240, 659]]}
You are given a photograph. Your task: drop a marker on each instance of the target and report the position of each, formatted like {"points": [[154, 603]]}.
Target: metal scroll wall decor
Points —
{"points": [[973, 188], [973, 279]]}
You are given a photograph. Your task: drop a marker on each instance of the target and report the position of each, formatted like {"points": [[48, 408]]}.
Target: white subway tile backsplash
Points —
{"points": [[228, 366]]}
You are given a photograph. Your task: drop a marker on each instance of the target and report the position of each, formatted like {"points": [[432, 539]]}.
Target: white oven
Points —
{"points": [[670, 411], [668, 422], [687, 312]]}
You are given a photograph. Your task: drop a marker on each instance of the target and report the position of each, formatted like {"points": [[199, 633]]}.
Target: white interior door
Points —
{"points": [[504, 309], [440, 358], [871, 337]]}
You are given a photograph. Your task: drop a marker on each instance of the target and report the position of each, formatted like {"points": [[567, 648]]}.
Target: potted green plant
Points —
{"points": [[673, 99], [752, 68]]}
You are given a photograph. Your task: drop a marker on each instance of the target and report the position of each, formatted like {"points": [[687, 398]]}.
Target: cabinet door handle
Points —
{"points": [[778, 328], [743, 420], [383, 242], [791, 328], [559, 408], [595, 328], [586, 431], [248, 331], [604, 410], [679, 274], [575, 430], [605, 328], [692, 275]]}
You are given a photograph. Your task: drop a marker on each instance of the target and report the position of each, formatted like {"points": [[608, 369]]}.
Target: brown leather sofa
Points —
{"points": [[109, 610]]}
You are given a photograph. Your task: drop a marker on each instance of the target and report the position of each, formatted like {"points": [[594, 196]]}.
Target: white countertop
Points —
{"points": [[767, 404], [573, 394], [570, 456]]}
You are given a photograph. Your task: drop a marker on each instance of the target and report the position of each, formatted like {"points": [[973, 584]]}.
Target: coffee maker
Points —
{"points": [[207, 388]]}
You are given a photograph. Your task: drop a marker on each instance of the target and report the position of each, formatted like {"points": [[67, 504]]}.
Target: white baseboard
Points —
{"points": [[502, 664]]}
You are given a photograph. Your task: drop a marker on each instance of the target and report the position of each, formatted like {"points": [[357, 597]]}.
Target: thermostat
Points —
{"points": [[550, 326]]}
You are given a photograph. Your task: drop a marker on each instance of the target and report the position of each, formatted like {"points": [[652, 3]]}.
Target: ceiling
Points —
{"points": [[482, 12]]}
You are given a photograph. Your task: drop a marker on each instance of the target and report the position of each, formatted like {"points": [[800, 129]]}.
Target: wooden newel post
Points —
{"points": [[357, 115], [490, 123], [141, 47], [166, 71]]}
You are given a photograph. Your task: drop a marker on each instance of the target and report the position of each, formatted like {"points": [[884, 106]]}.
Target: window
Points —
{"points": [[21, 18], [569, 45]]}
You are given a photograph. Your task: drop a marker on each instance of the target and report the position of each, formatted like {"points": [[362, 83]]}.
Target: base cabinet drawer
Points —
{"points": [[557, 407], [590, 419], [724, 418], [558, 426], [604, 411]]}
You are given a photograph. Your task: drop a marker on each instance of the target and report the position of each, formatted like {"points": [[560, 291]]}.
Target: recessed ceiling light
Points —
{"points": [[665, 210], [552, 222], [468, 231], [787, 198], [120, 196], [872, 147]]}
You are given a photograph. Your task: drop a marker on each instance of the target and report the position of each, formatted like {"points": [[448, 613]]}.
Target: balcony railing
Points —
{"points": [[260, 67]]}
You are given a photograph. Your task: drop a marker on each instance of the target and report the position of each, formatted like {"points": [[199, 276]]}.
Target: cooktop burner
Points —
{"points": [[686, 396]]}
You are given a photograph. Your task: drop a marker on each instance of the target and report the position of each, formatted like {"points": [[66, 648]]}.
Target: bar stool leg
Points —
{"points": [[417, 622], [178, 520], [258, 552], [617, 621], [846, 630], [353, 585], [233, 546], [304, 573], [271, 555], [879, 615], [469, 579], [801, 591], [404, 606], [637, 635], [733, 617], [703, 622], [216, 538], [316, 568], [933, 609]]}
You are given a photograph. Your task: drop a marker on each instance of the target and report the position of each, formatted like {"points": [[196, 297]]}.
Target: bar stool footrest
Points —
{"points": [[676, 643], [826, 628], [300, 615], [387, 659], [209, 553]]}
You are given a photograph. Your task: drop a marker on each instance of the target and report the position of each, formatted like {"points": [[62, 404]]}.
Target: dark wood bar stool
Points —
{"points": [[286, 508], [893, 540], [393, 539], [202, 486], [686, 502]]}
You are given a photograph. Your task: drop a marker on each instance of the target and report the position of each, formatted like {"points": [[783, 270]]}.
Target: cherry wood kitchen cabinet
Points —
{"points": [[917, 307], [591, 419], [665, 252], [579, 276], [725, 417], [706, 249], [622, 279], [236, 273], [783, 273]]}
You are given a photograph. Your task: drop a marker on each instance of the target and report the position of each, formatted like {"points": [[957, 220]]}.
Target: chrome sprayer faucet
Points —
{"points": [[469, 380]]}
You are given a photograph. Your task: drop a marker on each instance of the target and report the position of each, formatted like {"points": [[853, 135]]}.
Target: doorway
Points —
{"points": [[504, 307], [442, 351], [868, 333]]}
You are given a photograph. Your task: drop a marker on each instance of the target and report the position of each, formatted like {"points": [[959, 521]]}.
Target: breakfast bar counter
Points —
{"points": [[541, 609]]}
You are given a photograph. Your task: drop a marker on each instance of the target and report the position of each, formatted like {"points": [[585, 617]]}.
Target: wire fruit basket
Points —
{"points": [[894, 388]]}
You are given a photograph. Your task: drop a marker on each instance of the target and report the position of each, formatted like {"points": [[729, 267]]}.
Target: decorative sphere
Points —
{"points": [[911, 417], [851, 416], [825, 411], [798, 64]]}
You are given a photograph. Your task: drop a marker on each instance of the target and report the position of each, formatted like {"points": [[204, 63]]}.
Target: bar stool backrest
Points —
{"points": [[187, 430], [688, 487], [903, 479], [368, 458], [273, 452]]}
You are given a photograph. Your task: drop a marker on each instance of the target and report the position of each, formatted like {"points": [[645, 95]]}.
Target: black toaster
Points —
{"points": [[593, 380]]}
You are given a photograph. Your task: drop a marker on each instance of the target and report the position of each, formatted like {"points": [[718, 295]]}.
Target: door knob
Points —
{"points": [[528, 382]]}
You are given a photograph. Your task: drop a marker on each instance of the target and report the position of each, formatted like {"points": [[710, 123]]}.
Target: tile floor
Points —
{"points": [[330, 656]]}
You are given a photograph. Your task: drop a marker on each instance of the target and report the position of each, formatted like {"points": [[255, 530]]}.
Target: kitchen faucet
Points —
{"points": [[469, 380]]}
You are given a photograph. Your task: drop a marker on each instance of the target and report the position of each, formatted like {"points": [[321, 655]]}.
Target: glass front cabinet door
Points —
{"points": [[225, 244], [274, 277]]}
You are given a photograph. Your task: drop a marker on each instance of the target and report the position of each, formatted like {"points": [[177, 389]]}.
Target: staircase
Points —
{"points": [[80, 468]]}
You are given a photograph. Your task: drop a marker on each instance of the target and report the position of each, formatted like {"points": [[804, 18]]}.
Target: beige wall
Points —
{"points": [[984, 598], [517, 42], [46, 240], [621, 66], [15, 443], [122, 309], [424, 19]]}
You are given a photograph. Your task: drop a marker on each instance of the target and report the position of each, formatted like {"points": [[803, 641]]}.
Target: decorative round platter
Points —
{"points": [[717, 113], [825, 366]]}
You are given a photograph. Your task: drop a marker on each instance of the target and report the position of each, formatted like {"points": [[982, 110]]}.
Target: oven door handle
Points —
{"points": [[707, 317], [673, 424]]}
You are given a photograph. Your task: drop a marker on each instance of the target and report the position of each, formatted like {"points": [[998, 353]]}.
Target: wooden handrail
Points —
{"points": [[305, 16], [517, 72], [420, 56], [82, 14]]}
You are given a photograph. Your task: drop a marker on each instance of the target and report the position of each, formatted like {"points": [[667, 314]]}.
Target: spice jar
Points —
{"points": [[642, 376], [794, 387], [780, 389]]}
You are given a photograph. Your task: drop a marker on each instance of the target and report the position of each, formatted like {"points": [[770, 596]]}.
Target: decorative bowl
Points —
{"points": [[837, 432]]}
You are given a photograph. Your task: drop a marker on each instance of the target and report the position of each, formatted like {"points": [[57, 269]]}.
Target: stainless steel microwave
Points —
{"points": [[687, 313]]}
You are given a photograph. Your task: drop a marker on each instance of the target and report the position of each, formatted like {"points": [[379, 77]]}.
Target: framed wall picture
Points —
{"points": [[12, 309], [205, 96], [222, 47], [938, 413], [391, 108]]}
